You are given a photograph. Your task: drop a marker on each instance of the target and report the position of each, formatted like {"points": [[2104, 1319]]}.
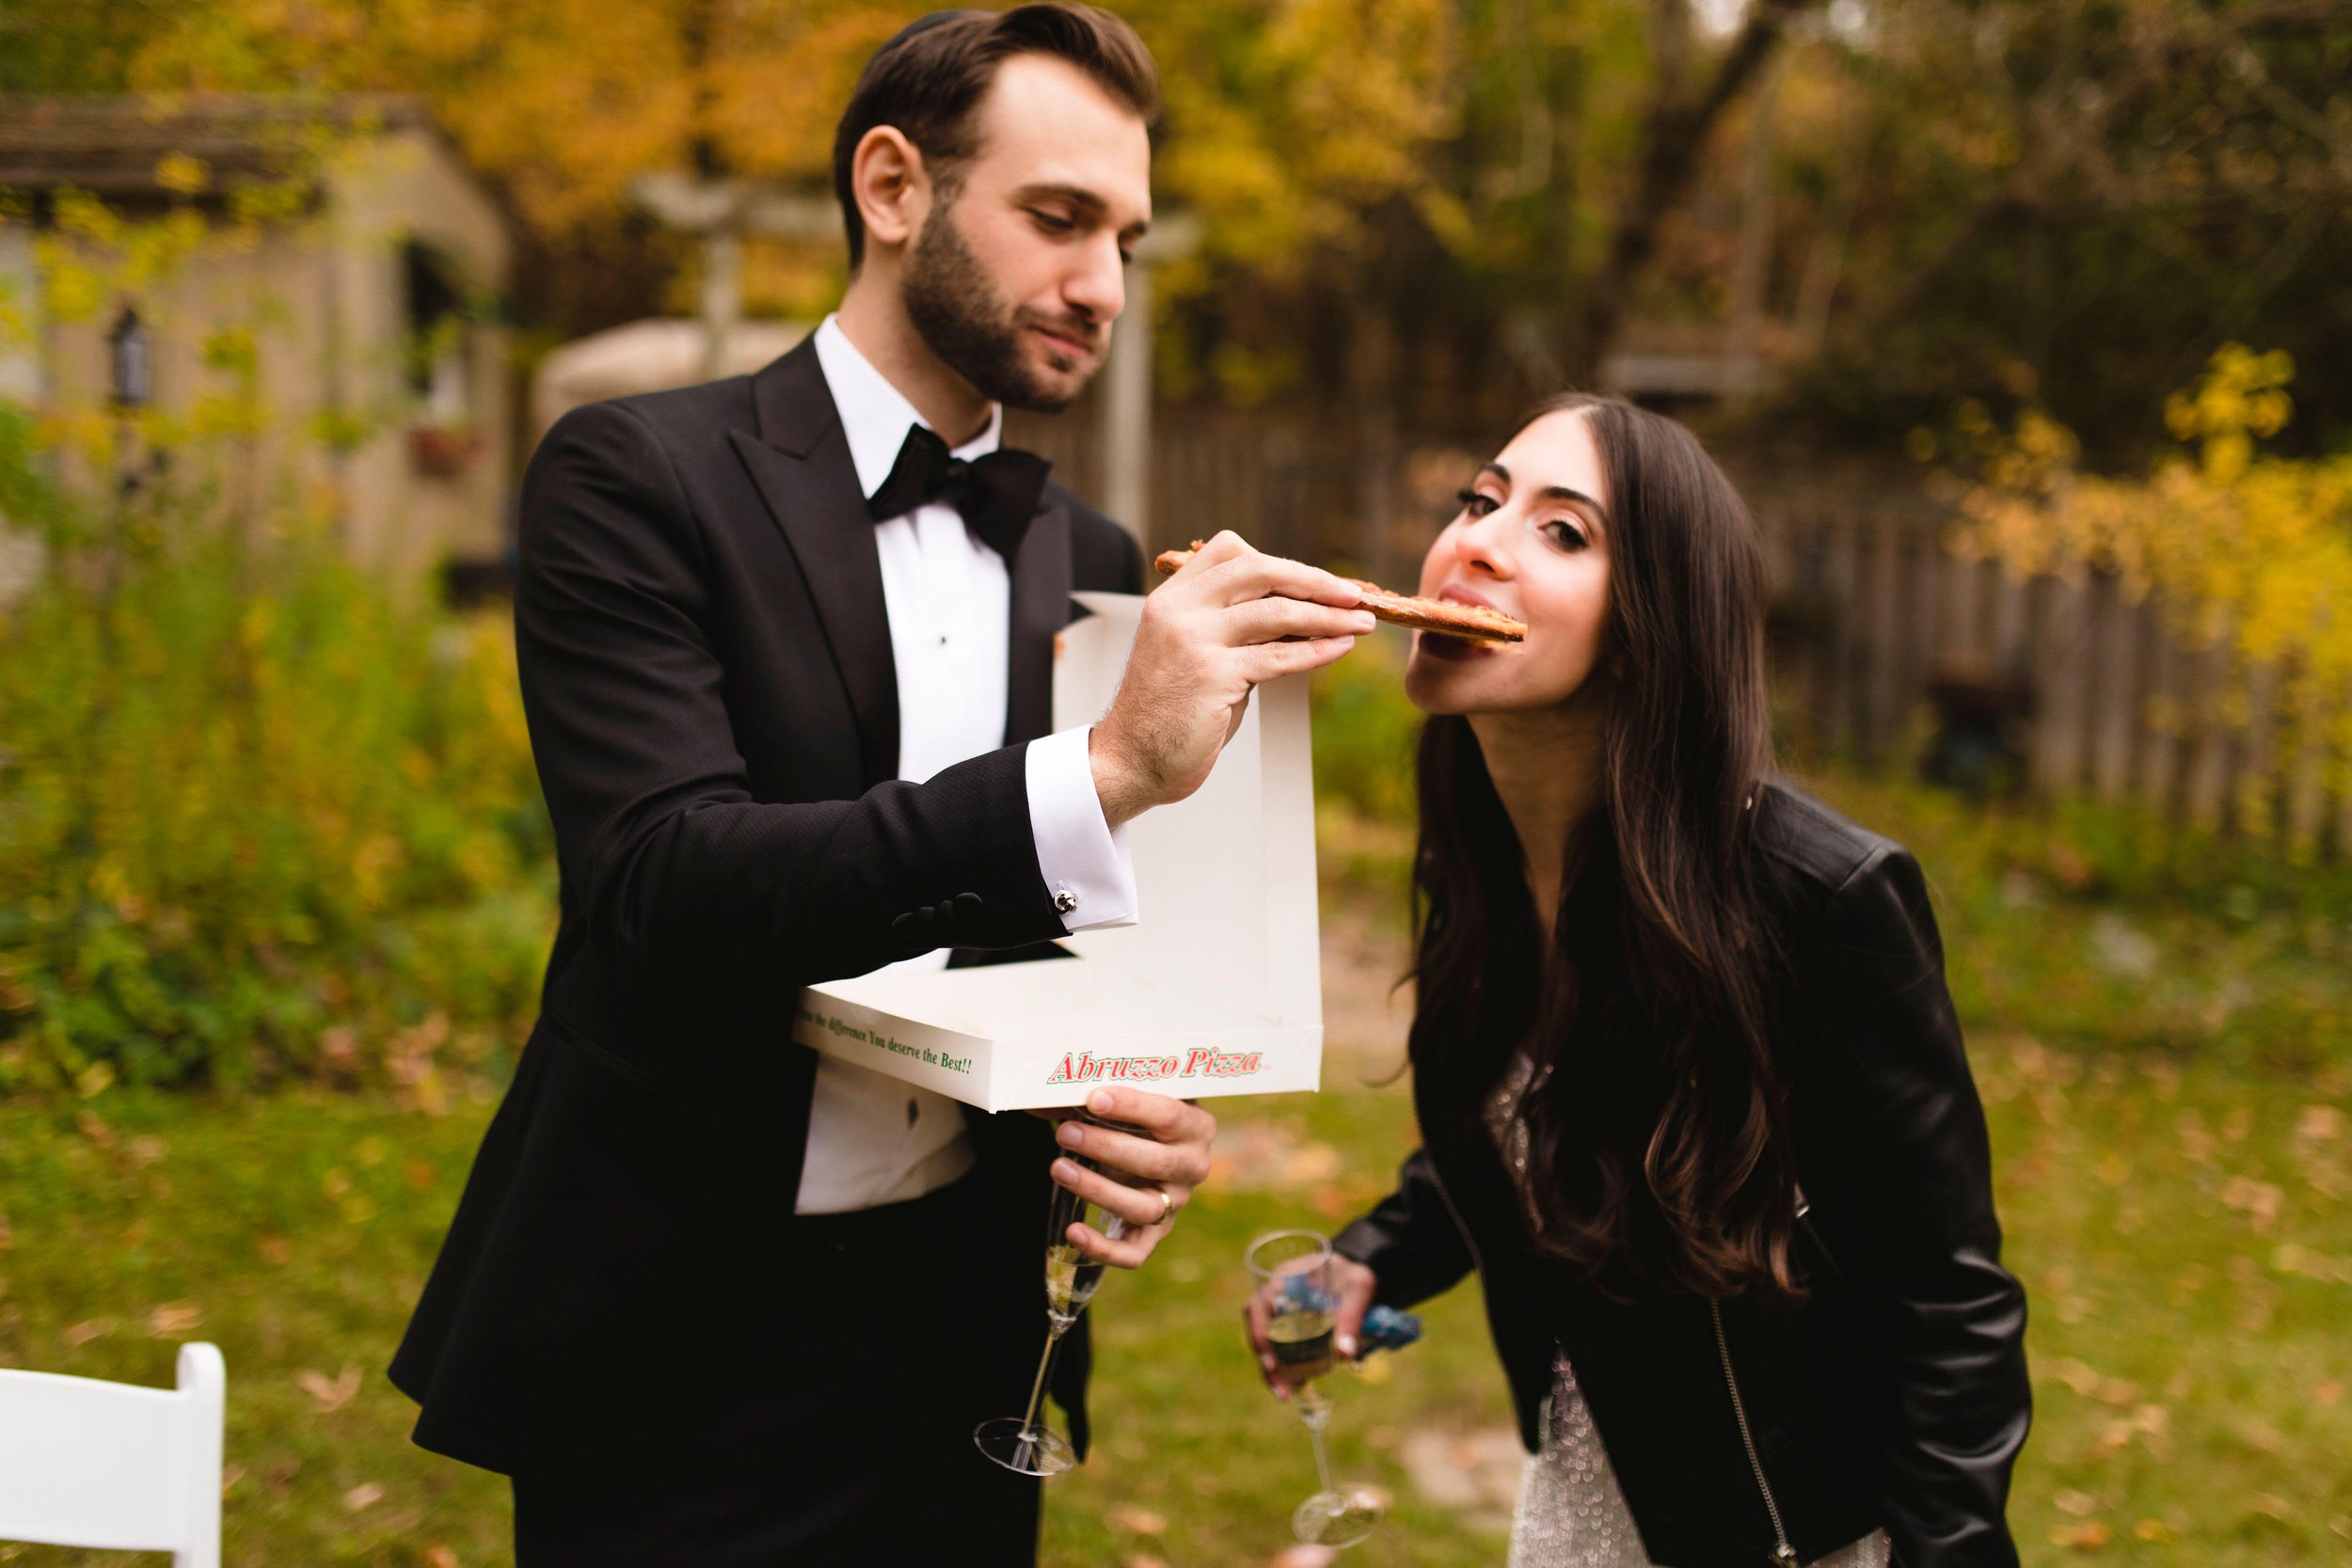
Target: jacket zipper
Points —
{"points": [[1784, 1554]]}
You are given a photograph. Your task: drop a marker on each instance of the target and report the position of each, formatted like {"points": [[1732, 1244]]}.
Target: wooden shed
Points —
{"points": [[369, 280]]}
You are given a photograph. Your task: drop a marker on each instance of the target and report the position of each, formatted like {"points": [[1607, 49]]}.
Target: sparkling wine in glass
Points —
{"points": [[1292, 1271], [1026, 1443]]}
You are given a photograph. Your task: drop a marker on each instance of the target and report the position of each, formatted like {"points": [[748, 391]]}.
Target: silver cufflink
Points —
{"points": [[1064, 900]]}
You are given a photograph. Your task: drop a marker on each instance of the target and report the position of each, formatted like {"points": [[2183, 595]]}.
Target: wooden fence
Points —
{"points": [[1882, 635], [1881, 628], [1285, 486]]}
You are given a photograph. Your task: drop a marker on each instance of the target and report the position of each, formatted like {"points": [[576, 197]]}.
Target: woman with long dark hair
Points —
{"points": [[1692, 1098]]}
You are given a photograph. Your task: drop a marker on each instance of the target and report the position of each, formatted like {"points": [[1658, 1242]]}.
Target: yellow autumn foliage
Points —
{"points": [[1284, 122], [2246, 549]]}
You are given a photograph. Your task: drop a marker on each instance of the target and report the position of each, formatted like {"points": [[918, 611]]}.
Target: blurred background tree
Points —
{"points": [[2077, 202], [1441, 208]]}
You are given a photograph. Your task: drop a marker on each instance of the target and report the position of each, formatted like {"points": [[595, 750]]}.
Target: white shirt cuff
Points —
{"points": [[1087, 870]]}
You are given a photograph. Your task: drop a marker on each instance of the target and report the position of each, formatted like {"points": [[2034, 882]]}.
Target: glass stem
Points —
{"points": [[1317, 1420], [1056, 1328]]}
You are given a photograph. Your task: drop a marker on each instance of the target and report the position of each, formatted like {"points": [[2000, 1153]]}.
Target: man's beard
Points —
{"points": [[976, 334]]}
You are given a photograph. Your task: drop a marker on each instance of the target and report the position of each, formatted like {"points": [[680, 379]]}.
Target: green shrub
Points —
{"points": [[2100, 928], [258, 819], [1365, 731]]}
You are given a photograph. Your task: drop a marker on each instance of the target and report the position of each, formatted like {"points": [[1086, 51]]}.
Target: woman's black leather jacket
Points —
{"points": [[1895, 1394]]}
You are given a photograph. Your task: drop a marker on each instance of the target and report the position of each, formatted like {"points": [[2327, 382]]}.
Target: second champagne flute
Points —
{"points": [[1293, 1269]]}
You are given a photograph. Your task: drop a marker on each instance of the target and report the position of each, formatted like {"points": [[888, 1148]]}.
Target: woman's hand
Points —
{"points": [[1150, 1162], [1351, 1282]]}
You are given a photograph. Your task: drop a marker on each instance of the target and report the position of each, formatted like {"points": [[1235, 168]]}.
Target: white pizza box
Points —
{"points": [[1216, 990]]}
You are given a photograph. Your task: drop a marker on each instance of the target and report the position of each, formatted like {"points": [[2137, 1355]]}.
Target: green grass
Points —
{"points": [[2094, 931], [2173, 1141], [294, 1230], [2184, 1233]]}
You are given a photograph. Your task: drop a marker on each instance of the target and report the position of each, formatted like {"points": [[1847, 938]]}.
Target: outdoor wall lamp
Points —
{"points": [[128, 348]]}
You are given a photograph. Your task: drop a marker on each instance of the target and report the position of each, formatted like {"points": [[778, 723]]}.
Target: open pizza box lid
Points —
{"points": [[1215, 991]]}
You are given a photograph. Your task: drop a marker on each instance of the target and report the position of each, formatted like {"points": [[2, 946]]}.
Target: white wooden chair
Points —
{"points": [[112, 1464]]}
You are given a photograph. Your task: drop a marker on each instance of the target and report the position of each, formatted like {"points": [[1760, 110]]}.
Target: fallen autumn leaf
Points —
{"points": [[332, 1393], [1138, 1521]]}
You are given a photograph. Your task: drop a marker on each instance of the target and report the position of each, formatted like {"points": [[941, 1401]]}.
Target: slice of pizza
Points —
{"points": [[1472, 623]]}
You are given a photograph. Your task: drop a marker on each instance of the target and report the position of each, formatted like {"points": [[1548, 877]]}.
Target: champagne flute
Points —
{"points": [[1025, 1444], [1293, 1269]]}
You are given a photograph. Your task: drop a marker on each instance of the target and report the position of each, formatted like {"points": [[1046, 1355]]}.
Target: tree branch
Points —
{"points": [[1675, 134]]}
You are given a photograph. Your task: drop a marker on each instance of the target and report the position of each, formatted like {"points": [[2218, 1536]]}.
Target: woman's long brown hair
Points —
{"points": [[1659, 1146]]}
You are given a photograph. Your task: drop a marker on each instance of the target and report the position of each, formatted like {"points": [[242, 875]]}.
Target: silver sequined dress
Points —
{"points": [[1571, 1512]]}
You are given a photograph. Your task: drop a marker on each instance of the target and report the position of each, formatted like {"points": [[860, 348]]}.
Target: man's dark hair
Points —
{"points": [[927, 81]]}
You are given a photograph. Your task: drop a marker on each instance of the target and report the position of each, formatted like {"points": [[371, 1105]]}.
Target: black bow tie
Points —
{"points": [[997, 493]]}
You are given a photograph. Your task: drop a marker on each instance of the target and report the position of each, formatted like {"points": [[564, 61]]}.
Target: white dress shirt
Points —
{"points": [[874, 1139]]}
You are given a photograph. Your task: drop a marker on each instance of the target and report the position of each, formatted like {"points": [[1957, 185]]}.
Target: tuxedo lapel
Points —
{"points": [[1042, 579], [800, 462]]}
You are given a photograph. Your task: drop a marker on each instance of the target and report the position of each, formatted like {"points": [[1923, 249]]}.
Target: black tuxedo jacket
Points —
{"points": [[707, 670]]}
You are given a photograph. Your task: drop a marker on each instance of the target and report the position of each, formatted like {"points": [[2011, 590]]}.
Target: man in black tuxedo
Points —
{"points": [[787, 645]]}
